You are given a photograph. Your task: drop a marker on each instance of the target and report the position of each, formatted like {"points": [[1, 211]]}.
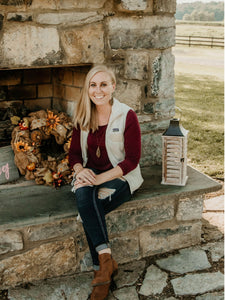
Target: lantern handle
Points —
{"points": [[180, 111]]}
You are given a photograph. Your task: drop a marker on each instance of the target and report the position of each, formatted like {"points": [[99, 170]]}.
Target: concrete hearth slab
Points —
{"points": [[28, 204]]}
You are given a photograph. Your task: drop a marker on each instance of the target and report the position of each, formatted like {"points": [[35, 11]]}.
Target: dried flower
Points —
{"points": [[57, 179], [24, 124], [67, 145], [15, 120], [48, 177], [52, 120], [31, 166], [36, 136], [21, 146]]}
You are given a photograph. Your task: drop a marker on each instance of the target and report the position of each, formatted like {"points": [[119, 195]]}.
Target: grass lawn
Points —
{"points": [[201, 101]]}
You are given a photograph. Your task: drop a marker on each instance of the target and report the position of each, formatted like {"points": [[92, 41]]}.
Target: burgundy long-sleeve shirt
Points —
{"points": [[132, 145]]}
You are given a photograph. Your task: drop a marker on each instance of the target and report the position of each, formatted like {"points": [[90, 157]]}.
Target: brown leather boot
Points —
{"points": [[108, 267], [96, 273], [100, 292]]}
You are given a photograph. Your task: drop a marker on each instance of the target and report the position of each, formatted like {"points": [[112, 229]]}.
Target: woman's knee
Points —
{"points": [[83, 197]]}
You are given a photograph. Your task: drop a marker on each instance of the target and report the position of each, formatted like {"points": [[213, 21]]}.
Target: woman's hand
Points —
{"points": [[86, 177]]}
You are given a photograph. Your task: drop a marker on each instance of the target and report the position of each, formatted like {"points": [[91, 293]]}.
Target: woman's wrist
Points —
{"points": [[77, 168]]}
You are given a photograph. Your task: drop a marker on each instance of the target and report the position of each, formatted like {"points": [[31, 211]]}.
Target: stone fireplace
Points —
{"points": [[46, 50]]}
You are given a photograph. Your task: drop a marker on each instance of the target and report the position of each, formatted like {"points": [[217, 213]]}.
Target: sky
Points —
{"points": [[204, 1]]}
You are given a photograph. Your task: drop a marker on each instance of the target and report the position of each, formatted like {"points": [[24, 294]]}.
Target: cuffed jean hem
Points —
{"points": [[101, 247]]}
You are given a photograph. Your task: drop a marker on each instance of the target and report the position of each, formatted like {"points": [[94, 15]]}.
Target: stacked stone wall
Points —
{"points": [[133, 37], [140, 228]]}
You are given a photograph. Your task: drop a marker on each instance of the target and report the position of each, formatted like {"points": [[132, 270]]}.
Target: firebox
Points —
{"points": [[23, 91]]}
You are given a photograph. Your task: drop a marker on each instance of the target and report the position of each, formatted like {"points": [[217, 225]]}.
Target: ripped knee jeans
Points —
{"points": [[93, 203]]}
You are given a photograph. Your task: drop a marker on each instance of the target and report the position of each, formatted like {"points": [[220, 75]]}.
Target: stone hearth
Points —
{"points": [[42, 237]]}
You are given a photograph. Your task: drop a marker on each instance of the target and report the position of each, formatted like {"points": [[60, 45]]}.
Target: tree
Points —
{"points": [[187, 17], [199, 16], [211, 11]]}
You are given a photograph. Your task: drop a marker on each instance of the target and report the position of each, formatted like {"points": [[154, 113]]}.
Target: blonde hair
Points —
{"points": [[85, 114]]}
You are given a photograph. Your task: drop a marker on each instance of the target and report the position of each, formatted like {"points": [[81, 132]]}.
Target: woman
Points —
{"points": [[105, 152]]}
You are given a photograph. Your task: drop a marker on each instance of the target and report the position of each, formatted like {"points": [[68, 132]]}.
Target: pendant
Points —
{"points": [[98, 152]]}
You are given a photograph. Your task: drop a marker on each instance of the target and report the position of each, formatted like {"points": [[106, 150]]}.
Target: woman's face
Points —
{"points": [[101, 88]]}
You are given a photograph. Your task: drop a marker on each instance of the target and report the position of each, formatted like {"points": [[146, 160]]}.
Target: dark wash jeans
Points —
{"points": [[93, 205]]}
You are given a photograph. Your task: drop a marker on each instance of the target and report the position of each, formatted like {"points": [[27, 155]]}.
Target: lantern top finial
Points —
{"points": [[175, 129]]}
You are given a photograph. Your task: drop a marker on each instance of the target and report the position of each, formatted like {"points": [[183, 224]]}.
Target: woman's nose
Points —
{"points": [[98, 88]]}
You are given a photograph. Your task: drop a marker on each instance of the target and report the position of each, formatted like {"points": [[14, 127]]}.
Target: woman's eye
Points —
{"points": [[104, 84], [92, 85]]}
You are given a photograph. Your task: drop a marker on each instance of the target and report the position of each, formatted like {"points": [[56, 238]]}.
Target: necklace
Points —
{"points": [[99, 141], [98, 152], [103, 120]]}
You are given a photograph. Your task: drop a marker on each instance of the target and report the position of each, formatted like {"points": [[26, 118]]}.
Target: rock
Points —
{"points": [[214, 204], [167, 239], [19, 17], [84, 45], [73, 288], [162, 75], [69, 4], [129, 273], [145, 32], [42, 43], [129, 247], [152, 213], [67, 17], [134, 5], [188, 260], [215, 219], [161, 6], [190, 208], [136, 66], [129, 92], [210, 232], [128, 293], [148, 142], [49, 260], [193, 284], [154, 282], [10, 241], [212, 296], [52, 230], [216, 250]]}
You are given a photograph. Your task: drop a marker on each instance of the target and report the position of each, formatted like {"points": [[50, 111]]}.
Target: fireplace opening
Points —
{"points": [[36, 106], [23, 91]]}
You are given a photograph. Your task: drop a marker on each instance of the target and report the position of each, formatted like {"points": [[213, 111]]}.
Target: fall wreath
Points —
{"points": [[41, 143]]}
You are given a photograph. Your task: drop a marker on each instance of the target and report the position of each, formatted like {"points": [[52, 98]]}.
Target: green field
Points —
{"points": [[201, 101]]}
